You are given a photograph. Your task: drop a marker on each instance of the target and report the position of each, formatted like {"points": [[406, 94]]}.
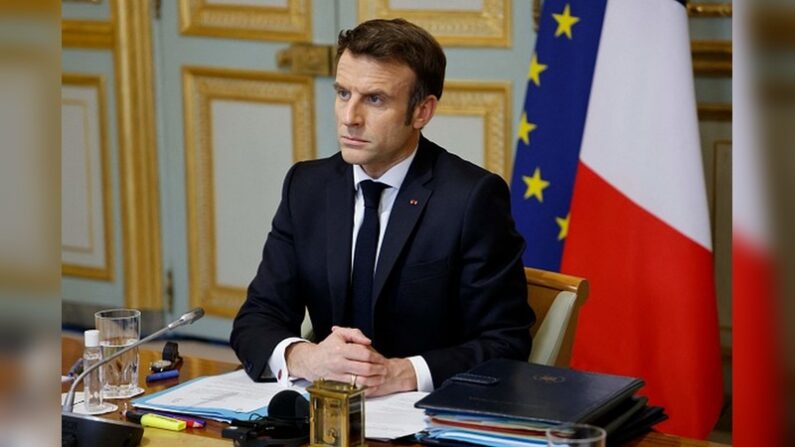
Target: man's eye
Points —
{"points": [[343, 94], [375, 99]]}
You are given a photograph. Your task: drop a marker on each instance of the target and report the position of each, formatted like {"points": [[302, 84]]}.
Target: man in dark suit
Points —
{"points": [[405, 255]]}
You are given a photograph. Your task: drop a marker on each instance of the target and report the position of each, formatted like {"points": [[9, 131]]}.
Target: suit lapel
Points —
{"points": [[339, 226], [406, 211]]}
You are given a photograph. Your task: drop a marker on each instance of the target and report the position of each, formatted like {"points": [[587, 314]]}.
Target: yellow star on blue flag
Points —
{"points": [[559, 79], [565, 22]]}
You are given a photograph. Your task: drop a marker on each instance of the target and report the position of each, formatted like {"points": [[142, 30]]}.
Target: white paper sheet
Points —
{"points": [[393, 416], [233, 391]]}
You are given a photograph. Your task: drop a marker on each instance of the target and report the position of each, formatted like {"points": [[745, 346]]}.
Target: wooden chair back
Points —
{"points": [[543, 287]]}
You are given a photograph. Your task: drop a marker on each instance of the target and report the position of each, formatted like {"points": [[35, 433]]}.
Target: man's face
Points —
{"points": [[371, 106]]}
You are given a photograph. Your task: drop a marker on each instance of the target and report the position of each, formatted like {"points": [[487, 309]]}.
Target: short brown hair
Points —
{"points": [[400, 41]]}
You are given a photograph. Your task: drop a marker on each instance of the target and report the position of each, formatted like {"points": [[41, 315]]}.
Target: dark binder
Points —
{"points": [[530, 392]]}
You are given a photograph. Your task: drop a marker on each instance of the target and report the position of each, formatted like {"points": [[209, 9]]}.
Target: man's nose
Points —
{"points": [[352, 115]]}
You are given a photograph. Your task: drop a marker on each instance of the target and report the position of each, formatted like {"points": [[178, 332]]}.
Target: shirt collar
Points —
{"points": [[393, 177]]}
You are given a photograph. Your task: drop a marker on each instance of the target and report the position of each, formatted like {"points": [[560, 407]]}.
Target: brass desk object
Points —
{"points": [[336, 414]]}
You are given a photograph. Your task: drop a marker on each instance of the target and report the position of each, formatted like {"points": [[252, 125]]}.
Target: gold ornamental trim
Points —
{"points": [[291, 24], [137, 155], [201, 86], [714, 112], [105, 272], [87, 34], [709, 10], [712, 58], [489, 27], [491, 101]]}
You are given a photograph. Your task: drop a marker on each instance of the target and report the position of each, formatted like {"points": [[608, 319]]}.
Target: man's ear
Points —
{"points": [[424, 112]]}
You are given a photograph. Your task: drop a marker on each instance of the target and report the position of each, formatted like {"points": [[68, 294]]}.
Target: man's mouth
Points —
{"points": [[352, 141]]}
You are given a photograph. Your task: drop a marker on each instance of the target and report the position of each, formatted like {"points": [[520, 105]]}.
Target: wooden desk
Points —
{"points": [[210, 436]]}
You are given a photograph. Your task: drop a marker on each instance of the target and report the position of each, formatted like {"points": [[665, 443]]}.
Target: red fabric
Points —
{"points": [[651, 311], [758, 402]]}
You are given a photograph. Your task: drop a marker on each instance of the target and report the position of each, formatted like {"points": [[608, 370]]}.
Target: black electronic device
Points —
{"points": [[287, 424], [169, 360], [171, 352], [78, 430]]}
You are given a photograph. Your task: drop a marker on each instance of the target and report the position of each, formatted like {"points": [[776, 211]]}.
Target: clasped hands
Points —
{"points": [[347, 355]]}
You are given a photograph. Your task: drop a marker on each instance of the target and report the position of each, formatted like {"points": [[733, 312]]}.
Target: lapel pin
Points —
{"points": [[413, 201]]}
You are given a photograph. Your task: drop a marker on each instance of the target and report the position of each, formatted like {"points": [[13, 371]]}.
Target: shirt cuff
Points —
{"points": [[423, 373], [277, 363]]}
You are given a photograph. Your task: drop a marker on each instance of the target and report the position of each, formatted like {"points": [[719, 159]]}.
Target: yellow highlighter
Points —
{"points": [[165, 422]]}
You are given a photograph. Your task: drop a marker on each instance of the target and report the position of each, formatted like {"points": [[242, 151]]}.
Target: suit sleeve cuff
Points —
{"points": [[277, 363], [423, 373]]}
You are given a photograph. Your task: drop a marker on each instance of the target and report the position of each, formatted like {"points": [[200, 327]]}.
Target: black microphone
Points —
{"points": [[79, 430], [286, 425], [289, 406], [188, 318]]}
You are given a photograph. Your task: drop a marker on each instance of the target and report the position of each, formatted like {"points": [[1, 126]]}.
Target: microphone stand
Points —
{"points": [[70, 397], [81, 424]]}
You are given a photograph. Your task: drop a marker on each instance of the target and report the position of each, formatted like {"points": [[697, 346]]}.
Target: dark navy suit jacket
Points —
{"points": [[449, 283]]}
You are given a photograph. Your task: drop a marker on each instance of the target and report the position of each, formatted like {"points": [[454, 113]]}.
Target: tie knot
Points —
{"points": [[372, 192]]}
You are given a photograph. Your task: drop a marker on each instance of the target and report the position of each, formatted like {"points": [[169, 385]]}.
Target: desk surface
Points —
{"points": [[210, 436]]}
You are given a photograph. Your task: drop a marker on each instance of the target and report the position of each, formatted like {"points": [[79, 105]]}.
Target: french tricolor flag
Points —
{"points": [[757, 366], [608, 184]]}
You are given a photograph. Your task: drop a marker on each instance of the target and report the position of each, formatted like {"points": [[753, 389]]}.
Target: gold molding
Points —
{"points": [[712, 57], [536, 15], [491, 101], [87, 34], [709, 10], [87, 174], [200, 87], [291, 24], [490, 27], [694, 10], [106, 272], [714, 112], [137, 154]]}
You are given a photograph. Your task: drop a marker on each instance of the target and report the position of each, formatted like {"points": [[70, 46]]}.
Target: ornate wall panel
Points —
{"points": [[87, 34], [490, 102], [480, 23], [285, 20], [138, 154], [87, 243], [243, 129], [128, 35]]}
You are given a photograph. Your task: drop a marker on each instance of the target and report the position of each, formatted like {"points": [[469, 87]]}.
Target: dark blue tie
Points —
{"points": [[364, 259]]}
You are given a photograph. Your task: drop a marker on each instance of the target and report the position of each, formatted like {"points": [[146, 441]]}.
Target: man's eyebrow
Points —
{"points": [[377, 92]]}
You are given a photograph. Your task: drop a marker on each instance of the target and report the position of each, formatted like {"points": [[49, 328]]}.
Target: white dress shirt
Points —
{"points": [[394, 179]]}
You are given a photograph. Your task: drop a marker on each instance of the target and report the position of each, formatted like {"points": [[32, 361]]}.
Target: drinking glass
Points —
{"points": [[119, 328], [576, 435]]}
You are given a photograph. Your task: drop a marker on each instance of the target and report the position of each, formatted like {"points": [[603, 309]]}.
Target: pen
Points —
{"points": [[171, 373], [77, 368]]}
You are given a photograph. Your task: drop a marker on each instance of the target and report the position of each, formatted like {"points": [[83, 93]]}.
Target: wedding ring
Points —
{"points": [[353, 379]]}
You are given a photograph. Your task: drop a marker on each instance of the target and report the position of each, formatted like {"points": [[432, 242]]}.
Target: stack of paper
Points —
{"points": [[235, 396], [510, 403], [393, 416], [223, 398], [484, 430]]}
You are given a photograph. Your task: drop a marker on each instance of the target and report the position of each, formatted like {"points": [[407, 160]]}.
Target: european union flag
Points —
{"points": [[551, 126]]}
